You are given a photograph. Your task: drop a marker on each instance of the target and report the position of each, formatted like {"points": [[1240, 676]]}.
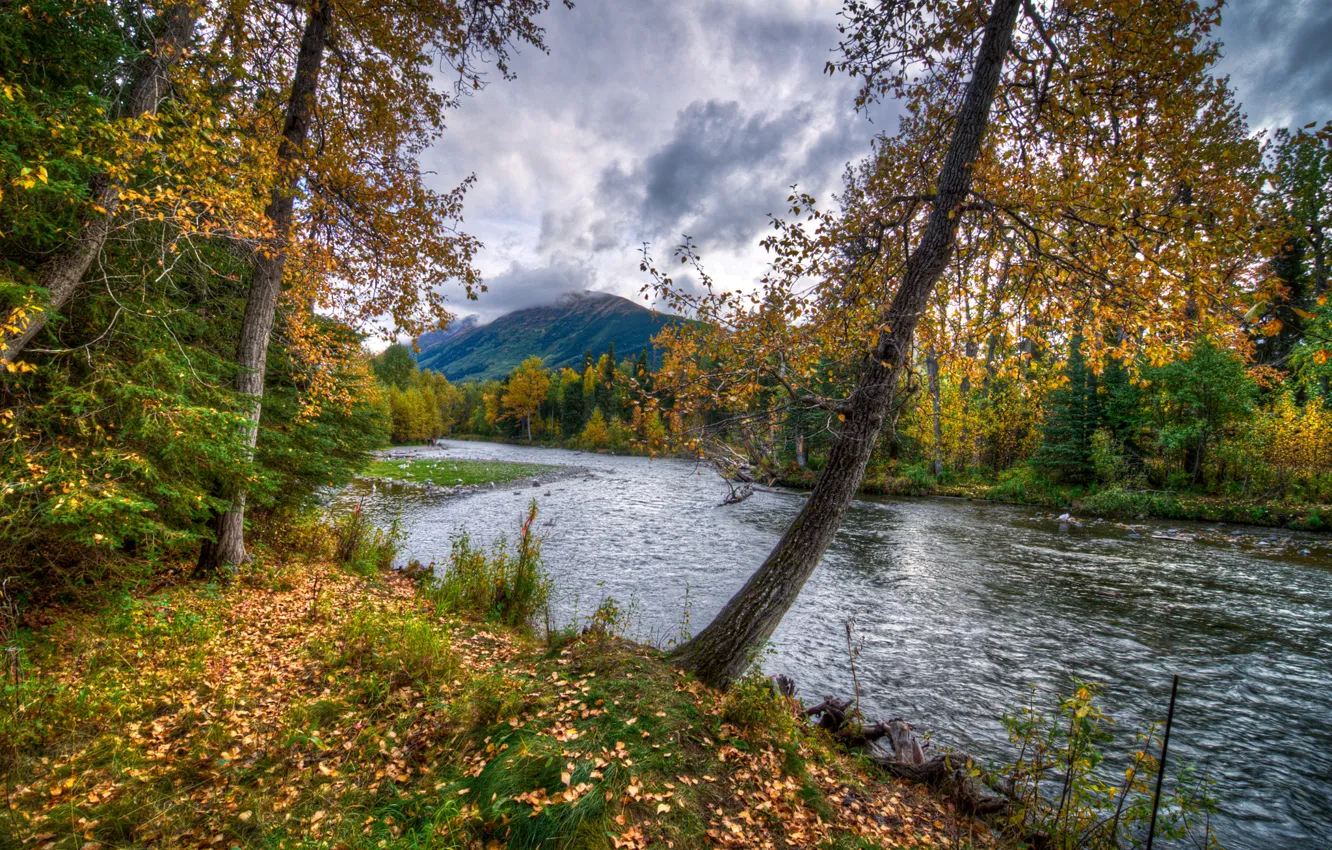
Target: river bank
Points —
{"points": [[1107, 502], [1030, 601], [304, 706]]}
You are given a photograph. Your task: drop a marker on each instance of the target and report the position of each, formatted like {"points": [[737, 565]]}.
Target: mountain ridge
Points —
{"points": [[559, 333]]}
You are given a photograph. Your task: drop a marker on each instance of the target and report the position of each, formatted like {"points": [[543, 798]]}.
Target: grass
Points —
{"points": [[504, 587], [449, 472], [305, 706]]}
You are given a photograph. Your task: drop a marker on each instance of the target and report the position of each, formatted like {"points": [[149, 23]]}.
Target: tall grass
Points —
{"points": [[503, 586], [362, 548], [403, 648]]}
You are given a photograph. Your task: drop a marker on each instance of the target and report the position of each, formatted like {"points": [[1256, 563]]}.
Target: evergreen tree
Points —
{"points": [[643, 374], [1072, 416], [572, 407]]}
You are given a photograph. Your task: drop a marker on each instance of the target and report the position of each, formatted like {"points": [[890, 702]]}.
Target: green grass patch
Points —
{"points": [[449, 472]]}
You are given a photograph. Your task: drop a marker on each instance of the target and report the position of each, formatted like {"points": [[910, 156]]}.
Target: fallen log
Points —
{"points": [[953, 773]]}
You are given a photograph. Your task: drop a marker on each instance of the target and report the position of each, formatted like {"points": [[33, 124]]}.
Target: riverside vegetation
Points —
{"points": [[321, 700], [205, 210]]}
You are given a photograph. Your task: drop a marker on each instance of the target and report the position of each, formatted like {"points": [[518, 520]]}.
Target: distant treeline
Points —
{"points": [[605, 404]]}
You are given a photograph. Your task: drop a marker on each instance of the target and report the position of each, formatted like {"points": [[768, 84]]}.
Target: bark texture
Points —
{"points": [[720, 652], [228, 544], [62, 275]]}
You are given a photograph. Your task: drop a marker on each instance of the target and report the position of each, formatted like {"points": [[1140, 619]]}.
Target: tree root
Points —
{"points": [[954, 773]]}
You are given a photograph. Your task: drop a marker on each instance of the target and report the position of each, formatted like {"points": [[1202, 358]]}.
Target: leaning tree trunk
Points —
{"points": [[62, 275], [720, 653], [228, 545]]}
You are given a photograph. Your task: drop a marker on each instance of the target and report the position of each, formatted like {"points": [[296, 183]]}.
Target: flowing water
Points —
{"points": [[959, 607]]}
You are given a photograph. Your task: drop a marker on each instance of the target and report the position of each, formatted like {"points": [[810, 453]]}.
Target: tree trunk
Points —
{"points": [[720, 653], [932, 369], [62, 275], [228, 546], [800, 450]]}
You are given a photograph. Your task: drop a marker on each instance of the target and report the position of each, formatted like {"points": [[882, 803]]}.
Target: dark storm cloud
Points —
{"points": [[649, 120], [717, 176], [1278, 54]]}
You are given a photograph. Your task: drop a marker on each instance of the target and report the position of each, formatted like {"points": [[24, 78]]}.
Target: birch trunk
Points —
{"points": [[228, 545], [936, 410]]}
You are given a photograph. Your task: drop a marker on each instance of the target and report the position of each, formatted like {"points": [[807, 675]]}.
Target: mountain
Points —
{"points": [[429, 340], [559, 333]]}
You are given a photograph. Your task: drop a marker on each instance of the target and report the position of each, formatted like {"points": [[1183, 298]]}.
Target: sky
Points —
{"points": [[652, 119]]}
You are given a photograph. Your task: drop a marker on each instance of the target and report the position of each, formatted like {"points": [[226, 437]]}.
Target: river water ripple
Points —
{"points": [[959, 607]]}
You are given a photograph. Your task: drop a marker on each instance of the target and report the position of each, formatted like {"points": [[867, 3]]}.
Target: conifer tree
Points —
{"points": [[1072, 416], [572, 405]]}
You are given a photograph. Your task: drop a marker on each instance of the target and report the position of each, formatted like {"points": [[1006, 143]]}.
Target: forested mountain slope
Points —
{"points": [[559, 333]]}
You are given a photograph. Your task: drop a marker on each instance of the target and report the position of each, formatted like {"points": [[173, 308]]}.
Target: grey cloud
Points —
{"points": [[521, 286], [717, 176], [714, 146], [649, 120], [1278, 57]]}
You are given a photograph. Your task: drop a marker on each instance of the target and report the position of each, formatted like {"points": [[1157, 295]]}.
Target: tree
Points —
{"points": [[1103, 207], [61, 274], [721, 651], [396, 367], [571, 403], [528, 386], [1072, 416], [1290, 323], [596, 434], [366, 215], [1197, 399]]}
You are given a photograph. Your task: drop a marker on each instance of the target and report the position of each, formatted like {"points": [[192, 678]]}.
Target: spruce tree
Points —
{"points": [[1071, 417], [571, 409]]}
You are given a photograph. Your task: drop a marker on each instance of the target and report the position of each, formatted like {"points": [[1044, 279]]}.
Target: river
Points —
{"points": [[958, 608]]}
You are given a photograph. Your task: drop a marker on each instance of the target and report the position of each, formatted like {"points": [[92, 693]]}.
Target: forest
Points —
{"points": [[1071, 275]]}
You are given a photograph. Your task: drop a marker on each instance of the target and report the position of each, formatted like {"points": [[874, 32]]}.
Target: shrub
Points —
{"points": [[362, 548], [1107, 456], [753, 704], [1062, 790], [503, 586]]}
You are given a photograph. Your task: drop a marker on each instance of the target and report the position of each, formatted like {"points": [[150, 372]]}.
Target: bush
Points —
{"points": [[753, 704], [505, 587], [1062, 789], [362, 548], [1024, 486], [1107, 456], [920, 478]]}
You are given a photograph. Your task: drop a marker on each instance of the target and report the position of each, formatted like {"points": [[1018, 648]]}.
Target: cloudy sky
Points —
{"points": [[650, 119]]}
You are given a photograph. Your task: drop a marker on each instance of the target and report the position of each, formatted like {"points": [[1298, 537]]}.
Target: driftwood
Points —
{"points": [[738, 494], [894, 747]]}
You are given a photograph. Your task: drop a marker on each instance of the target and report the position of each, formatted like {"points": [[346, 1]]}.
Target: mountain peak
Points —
{"points": [[559, 333]]}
